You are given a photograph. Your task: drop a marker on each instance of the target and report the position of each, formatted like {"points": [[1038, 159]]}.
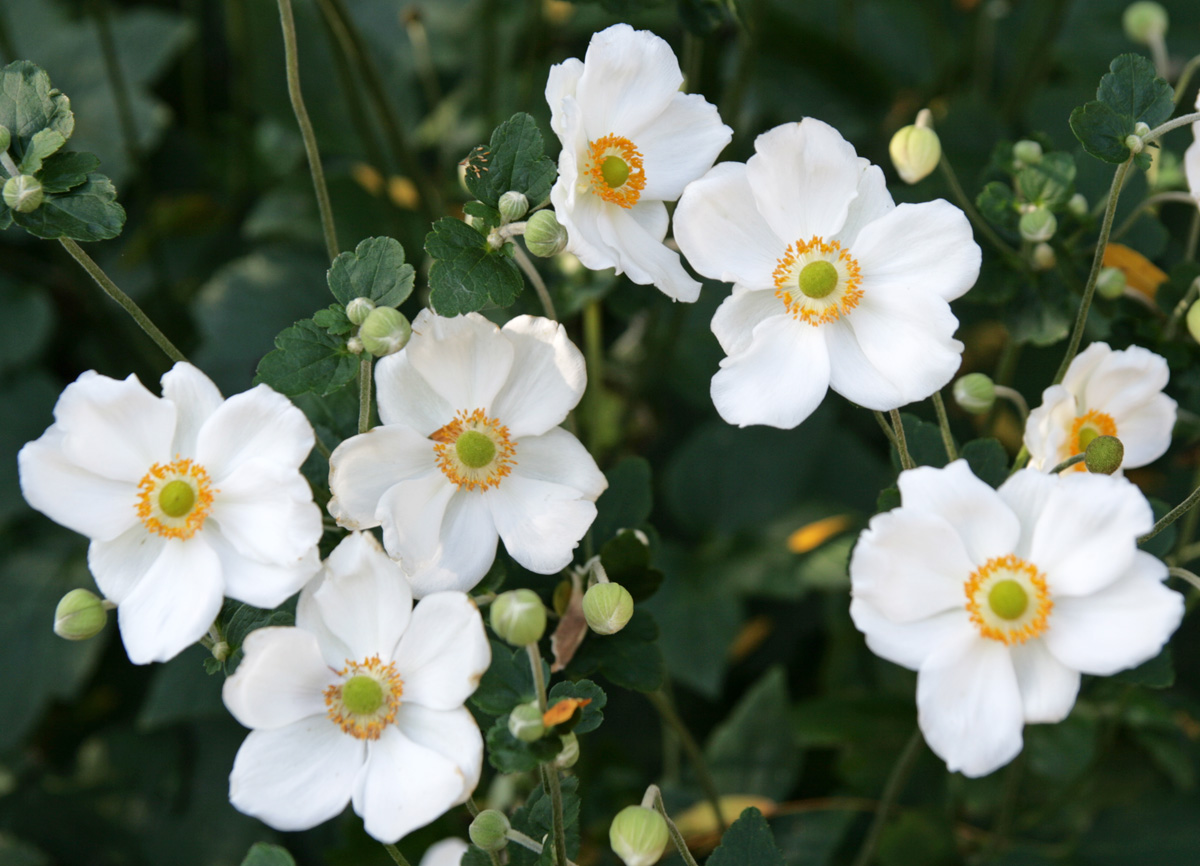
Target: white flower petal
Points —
{"points": [[779, 379], [740, 313], [853, 375], [540, 522], [1026, 493], [118, 565], [629, 77], [448, 852], [451, 733], [873, 202], [464, 546], [364, 467], [547, 380], [444, 652], [114, 429], [465, 360], [1118, 627], [1084, 365], [1145, 430], [927, 246], [980, 517], [260, 584], [265, 510], [1191, 163], [1048, 427], [562, 82], [558, 457], [405, 398], [908, 643], [1124, 380], [259, 424], [1048, 687], [411, 514], [195, 398], [296, 777], [641, 254], [281, 679], [681, 145]]}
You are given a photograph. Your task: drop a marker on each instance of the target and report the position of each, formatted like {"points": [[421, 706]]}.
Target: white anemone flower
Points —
{"points": [[1191, 159], [999, 599], [448, 852], [834, 285], [630, 142], [470, 451], [360, 702], [1104, 393], [186, 498]]}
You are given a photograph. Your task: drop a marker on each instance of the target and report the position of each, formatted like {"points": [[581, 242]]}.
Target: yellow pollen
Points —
{"points": [[467, 466], [174, 499], [1086, 428], [1007, 599], [368, 725], [820, 294], [614, 167]]}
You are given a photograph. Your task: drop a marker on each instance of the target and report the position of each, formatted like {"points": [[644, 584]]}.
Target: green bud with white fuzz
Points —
{"points": [[489, 830], [80, 615], [1077, 205], [1134, 142], [1110, 283], [1104, 455], [975, 393], [638, 835], [23, 193], [915, 149], [544, 236], [513, 206], [1141, 129], [607, 607], [518, 616], [1145, 22], [5, 138], [358, 310], [1038, 225], [1027, 152], [569, 754], [354, 346], [525, 722], [386, 330], [1193, 321]]}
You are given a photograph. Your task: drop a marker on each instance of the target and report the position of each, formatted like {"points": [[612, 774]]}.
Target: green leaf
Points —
{"points": [[28, 104], [987, 459], [375, 270], [467, 274], [489, 217], [627, 501], [265, 854], [1049, 183], [593, 714], [1101, 131], [89, 212], [998, 204], [475, 857], [333, 319], [509, 755], [237, 620], [1157, 673], [307, 358], [1130, 93], [66, 170], [630, 658], [747, 842], [754, 751], [924, 441], [512, 160], [43, 145], [535, 819], [626, 560], [508, 681]]}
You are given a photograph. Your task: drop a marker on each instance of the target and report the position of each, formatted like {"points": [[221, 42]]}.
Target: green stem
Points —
{"points": [[1089, 290], [906, 461], [364, 393], [944, 423], [891, 792], [396, 855], [1173, 123], [1185, 78], [593, 350], [110, 288], [559, 826], [667, 712], [539, 677], [1189, 252], [887, 429], [1068, 463], [1187, 529], [1182, 306], [292, 61], [676, 836], [1010, 255], [1016, 398], [1171, 516], [1184, 574], [1149, 202], [539, 285]]}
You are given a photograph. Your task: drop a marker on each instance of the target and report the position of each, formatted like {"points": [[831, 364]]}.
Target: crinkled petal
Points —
{"points": [[681, 145], [872, 202], [463, 546], [641, 254], [1145, 430], [112, 428], [266, 512], [1048, 687], [260, 584], [740, 313], [120, 564], [540, 522], [629, 78], [779, 379], [548, 377], [908, 643], [281, 679], [1120, 381], [1048, 428], [465, 360], [561, 83], [982, 520], [195, 398], [405, 398], [259, 424], [298, 776], [927, 246], [364, 467], [444, 651], [451, 733]]}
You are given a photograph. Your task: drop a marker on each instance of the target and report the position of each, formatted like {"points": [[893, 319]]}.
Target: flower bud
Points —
{"points": [[525, 722], [1145, 22], [23, 193], [1104, 455], [1111, 283], [570, 752], [358, 310], [1193, 321], [385, 331], [975, 393], [354, 346], [518, 616], [5, 138], [1027, 152], [915, 152], [513, 206], [638, 835], [607, 607], [489, 830], [1043, 258], [544, 236], [80, 615], [1077, 205], [1038, 225], [1141, 129], [1134, 142]]}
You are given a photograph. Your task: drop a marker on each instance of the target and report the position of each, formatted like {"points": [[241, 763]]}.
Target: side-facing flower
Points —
{"points": [[999, 599], [834, 285], [360, 702], [630, 142], [186, 498], [1104, 393], [470, 451]]}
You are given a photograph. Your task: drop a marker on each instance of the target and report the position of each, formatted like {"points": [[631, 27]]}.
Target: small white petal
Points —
{"points": [[1048, 427], [872, 203], [641, 254], [405, 398], [266, 512], [364, 467], [1191, 163], [195, 398], [465, 360], [281, 679], [681, 145], [562, 82], [1048, 687], [740, 313], [540, 522], [444, 651], [987, 526], [1145, 430], [464, 546], [908, 643], [558, 457], [547, 380], [260, 584], [629, 78], [259, 424], [120, 564], [451, 733], [1026, 493]]}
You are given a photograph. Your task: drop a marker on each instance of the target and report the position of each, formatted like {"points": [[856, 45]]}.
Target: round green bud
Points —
{"points": [[544, 236], [518, 616], [1193, 321], [1038, 225], [23, 193], [1043, 258], [570, 752], [525, 722], [385, 331], [1141, 129], [1077, 205], [915, 151], [358, 310], [607, 607], [513, 206], [1104, 455], [1027, 152], [1111, 283], [975, 393], [1134, 142], [5, 138], [1145, 22], [354, 346], [638, 835], [489, 830], [80, 615]]}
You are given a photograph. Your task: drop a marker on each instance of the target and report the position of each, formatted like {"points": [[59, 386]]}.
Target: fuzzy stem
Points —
{"points": [[1010, 255], [1185, 78], [906, 461], [364, 393], [1171, 516], [667, 711], [1174, 123], [944, 423], [539, 285], [887, 429], [1068, 463], [395, 854], [1016, 398], [676, 836], [891, 792], [1186, 575], [554, 788]]}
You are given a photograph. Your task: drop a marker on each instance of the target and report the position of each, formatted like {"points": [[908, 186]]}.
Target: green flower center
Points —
{"points": [[1008, 599], [615, 171], [475, 449], [177, 498], [1086, 435], [362, 695], [818, 279]]}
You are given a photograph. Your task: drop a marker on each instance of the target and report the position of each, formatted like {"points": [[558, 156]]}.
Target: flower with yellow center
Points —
{"points": [[631, 141], [470, 452], [834, 286], [186, 498], [1104, 393], [1000, 599], [360, 702]]}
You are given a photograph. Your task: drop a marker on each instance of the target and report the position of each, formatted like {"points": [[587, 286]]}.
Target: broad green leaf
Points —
{"points": [[265, 854], [630, 658], [754, 750], [1133, 89], [307, 358], [747, 842], [466, 274], [43, 145], [987, 459], [28, 104], [1101, 131], [89, 212], [475, 857], [333, 319], [509, 755], [66, 170], [593, 714], [1049, 183], [238, 619], [512, 160], [997, 202], [488, 217], [535, 819], [508, 681], [375, 270]]}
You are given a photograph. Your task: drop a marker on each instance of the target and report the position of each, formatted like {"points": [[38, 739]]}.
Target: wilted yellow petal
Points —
{"points": [[751, 636], [367, 177], [698, 821], [403, 193], [815, 534], [563, 710], [1141, 274]]}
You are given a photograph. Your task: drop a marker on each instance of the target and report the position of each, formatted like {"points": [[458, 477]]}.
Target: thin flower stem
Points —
{"points": [[525, 842], [666, 710], [1068, 463], [1016, 398], [891, 792], [1171, 516], [944, 423], [887, 429], [1010, 255], [539, 678], [1174, 123], [1181, 307], [539, 285], [1189, 252], [393, 850], [559, 825], [1185, 78], [906, 461], [126, 302], [676, 836], [1184, 574], [1149, 202], [364, 393], [1089, 290], [292, 61]]}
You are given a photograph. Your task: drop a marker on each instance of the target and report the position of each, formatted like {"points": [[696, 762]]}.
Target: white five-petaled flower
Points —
{"points": [[999, 599], [470, 451], [834, 285], [630, 142], [1104, 393], [361, 701], [186, 498]]}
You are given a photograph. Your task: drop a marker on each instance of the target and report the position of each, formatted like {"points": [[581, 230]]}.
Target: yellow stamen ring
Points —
{"points": [[1086, 428], [614, 167], [364, 703], [174, 499], [818, 281], [474, 451], [1007, 599]]}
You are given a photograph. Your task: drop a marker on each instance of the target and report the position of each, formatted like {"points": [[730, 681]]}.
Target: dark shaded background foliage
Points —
{"points": [[105, 763]]}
